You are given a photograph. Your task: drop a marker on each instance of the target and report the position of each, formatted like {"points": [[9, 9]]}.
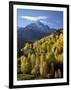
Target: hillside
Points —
{"points": [[42, 59]]}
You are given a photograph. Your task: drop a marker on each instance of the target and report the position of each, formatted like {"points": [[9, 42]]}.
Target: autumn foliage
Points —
{"points": [[43, 58]]}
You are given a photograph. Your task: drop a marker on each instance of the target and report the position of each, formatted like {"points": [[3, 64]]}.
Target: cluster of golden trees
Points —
{"points": [[43, 58]]}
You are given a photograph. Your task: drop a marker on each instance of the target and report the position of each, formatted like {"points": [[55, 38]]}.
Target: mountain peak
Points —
{"points": [[38, 22]]}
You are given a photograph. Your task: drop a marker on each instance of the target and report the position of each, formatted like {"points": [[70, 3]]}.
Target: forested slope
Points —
{"points": [[42, 59]]}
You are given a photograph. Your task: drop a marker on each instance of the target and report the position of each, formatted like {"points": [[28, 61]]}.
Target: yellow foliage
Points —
{"points": [[45, 52]]}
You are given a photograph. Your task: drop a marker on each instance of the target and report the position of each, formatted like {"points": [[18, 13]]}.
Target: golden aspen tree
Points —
{"points": [[33, 59], [43, 65], [25, 65]]}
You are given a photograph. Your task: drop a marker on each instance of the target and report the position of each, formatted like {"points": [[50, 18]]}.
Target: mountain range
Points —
{"points": [[33, 32]]}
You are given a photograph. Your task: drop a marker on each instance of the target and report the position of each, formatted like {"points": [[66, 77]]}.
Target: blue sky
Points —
{"points": [[52, 18]]}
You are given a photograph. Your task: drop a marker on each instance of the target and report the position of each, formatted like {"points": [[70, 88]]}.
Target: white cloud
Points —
{"points": [[34, 18]]}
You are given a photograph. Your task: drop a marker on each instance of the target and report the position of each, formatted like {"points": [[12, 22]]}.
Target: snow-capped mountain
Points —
{"points": [[32, 32]]}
